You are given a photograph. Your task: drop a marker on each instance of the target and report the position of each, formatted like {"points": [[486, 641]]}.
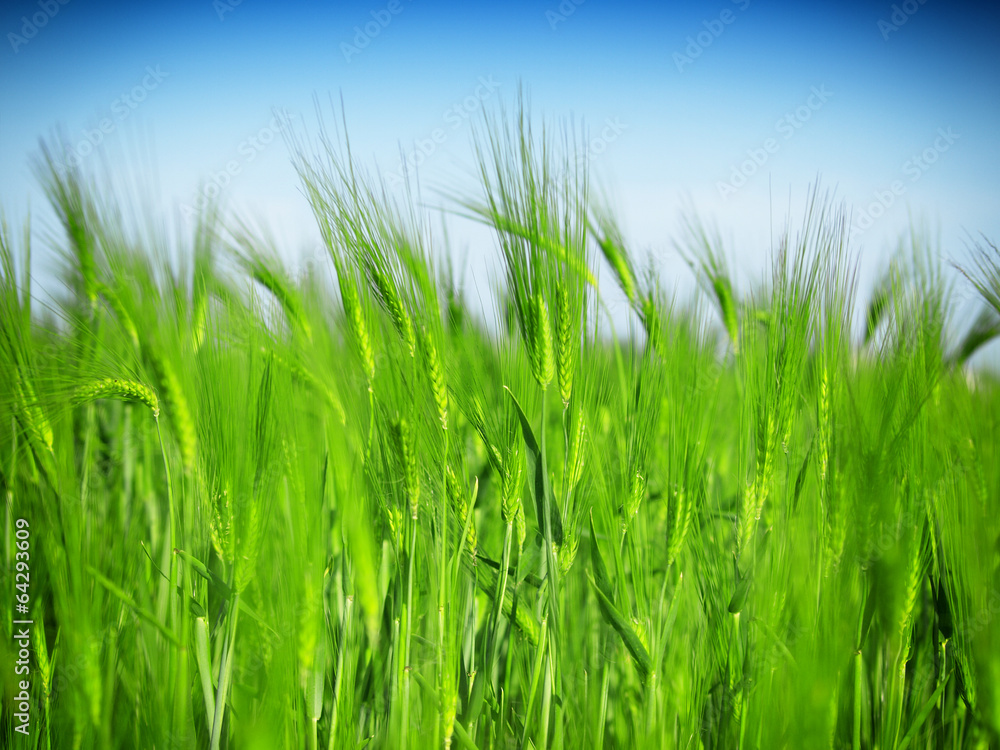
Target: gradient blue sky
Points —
{"points": [[681, 127]]}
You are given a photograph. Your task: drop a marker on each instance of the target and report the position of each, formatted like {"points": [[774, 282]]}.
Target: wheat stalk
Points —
{"points": [[566, 347], [403, 441], [540, 343], [31, 416], [179, 411], [617, 258], [575, 457], [460, 503], [436, 375], [117, 388], [356, 320]]}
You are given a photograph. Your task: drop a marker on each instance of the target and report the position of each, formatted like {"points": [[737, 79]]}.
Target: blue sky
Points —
{"points": [[731, 108]]}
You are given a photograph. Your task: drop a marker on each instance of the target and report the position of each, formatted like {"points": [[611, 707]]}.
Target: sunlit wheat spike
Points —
{"points": [[460, 503], [117, 388], [679, 522], [285, 296], [31, 416], [914, 576], [636, 493], [121, 313], [248, 546], [356, 321], [822, 433], [727, 306], [403, 439], [520, 525], [650, 316], [389, 295], [264, 267], [199, 316], [512, 470], [575, 458], [566, 552], [221, 525], [541, 350], [615, 254], [435, 373], [179, 411], [747, 522], [566, 348], [309, 379], [836, 527]]}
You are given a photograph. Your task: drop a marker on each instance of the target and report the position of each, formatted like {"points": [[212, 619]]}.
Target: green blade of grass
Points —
{"points": [[142, 612], [624, 629]]}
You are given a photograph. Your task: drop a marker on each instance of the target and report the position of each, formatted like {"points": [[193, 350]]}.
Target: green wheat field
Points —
{"points": [[359, 507]]}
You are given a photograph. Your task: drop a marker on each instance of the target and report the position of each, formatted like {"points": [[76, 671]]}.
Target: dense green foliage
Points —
{"points": [[342, 509]]}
